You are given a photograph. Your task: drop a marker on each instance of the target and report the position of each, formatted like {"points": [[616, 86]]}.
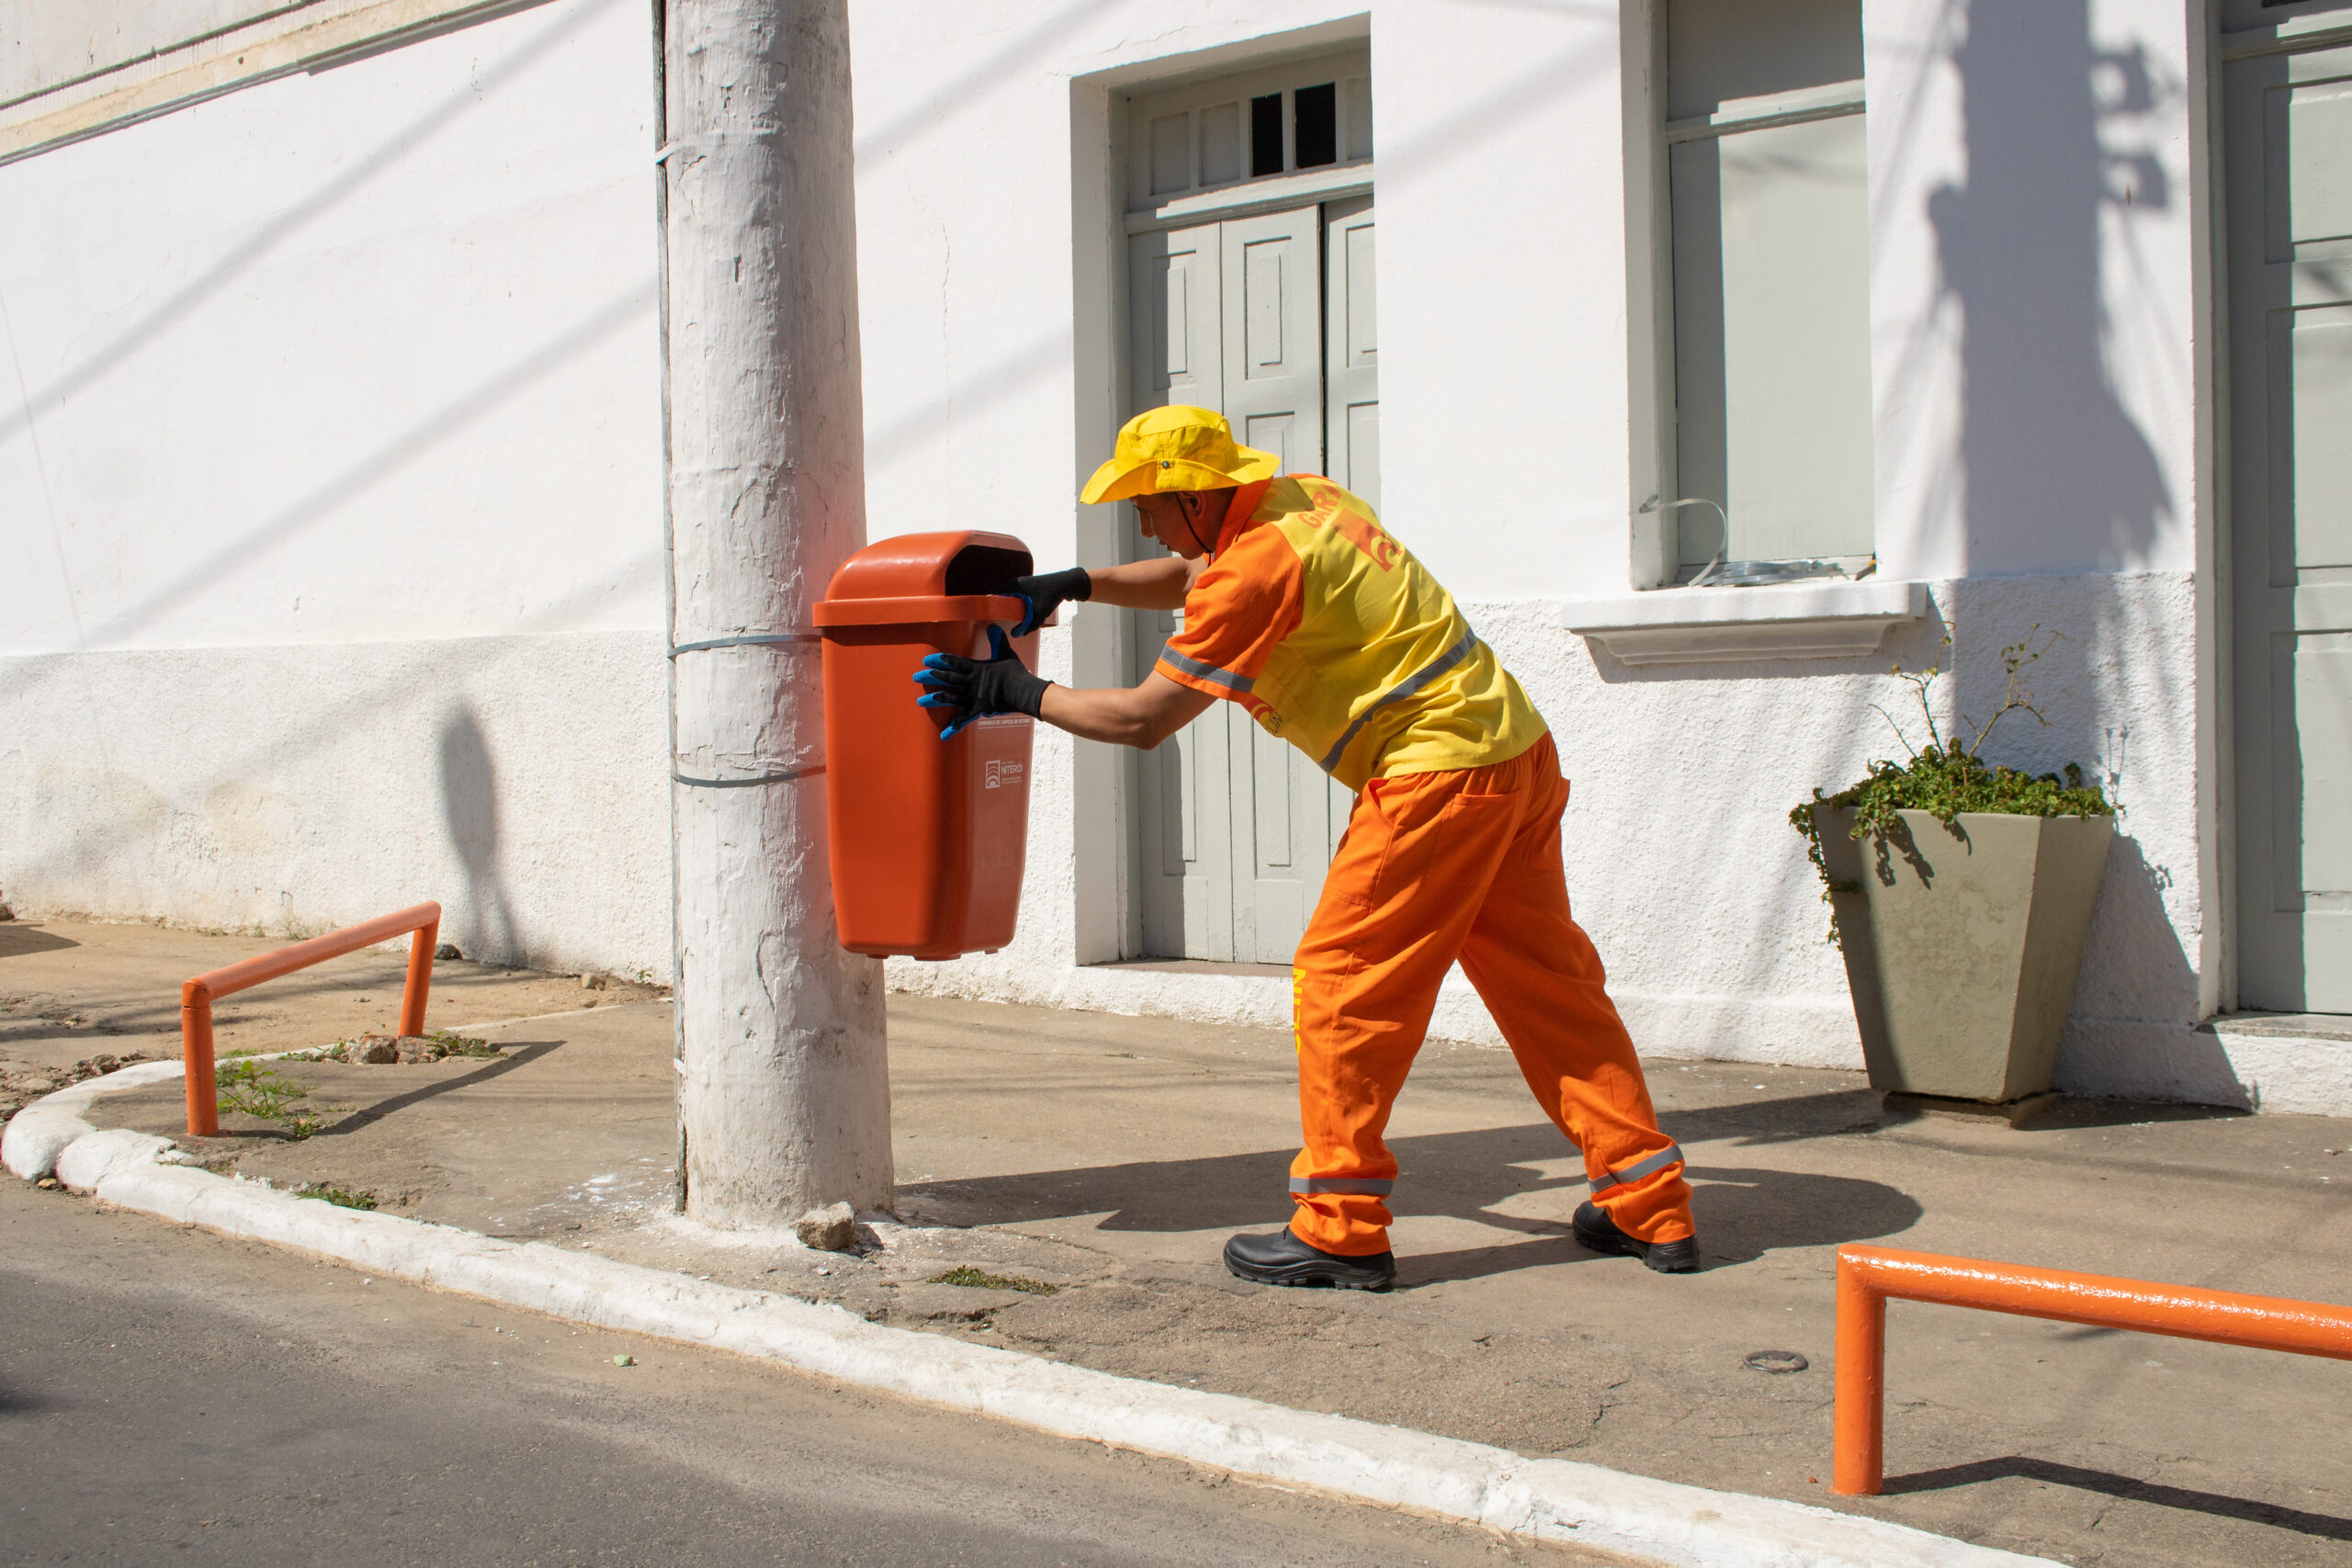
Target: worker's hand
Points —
{"points": [[1046, 592], [978, 687]]}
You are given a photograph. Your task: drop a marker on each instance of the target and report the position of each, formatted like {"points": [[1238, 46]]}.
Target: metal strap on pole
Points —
{"points": [[761, 639], [784, 777]]}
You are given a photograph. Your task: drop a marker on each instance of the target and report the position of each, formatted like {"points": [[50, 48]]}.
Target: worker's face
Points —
{"points": [[1186, 521]]}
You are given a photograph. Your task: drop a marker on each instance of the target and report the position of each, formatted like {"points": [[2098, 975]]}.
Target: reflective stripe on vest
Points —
{"points": [[1209, 672], [1403, 689]]}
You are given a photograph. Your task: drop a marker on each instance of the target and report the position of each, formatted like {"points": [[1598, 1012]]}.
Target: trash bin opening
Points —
{"points": [[985, 568]]}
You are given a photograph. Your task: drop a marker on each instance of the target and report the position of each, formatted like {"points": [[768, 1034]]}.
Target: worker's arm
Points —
{"points": [[974, 688], [1147, 584], [1138, 585], [1126, 716]]}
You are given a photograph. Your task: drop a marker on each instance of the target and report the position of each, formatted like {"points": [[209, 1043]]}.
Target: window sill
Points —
{"points": [[1711, 625]]}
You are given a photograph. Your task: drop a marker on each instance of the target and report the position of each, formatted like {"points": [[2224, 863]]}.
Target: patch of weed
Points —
{"points": [[341, 1197], [965, 1274], [255, 1089]]}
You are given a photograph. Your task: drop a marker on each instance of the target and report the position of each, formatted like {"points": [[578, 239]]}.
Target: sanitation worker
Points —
{"points": [[1301, 607]]}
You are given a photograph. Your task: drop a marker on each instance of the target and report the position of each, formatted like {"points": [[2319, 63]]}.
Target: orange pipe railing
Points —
{"points": [[198, 995], [1867, 1276]]}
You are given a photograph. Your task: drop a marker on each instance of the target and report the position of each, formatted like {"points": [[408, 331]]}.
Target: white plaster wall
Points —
{"points": [[1683, 866], [2036, 284], [316, 373], [518, 780], [329, 463], [2041, 464], [2044, 344], [984, 197]]}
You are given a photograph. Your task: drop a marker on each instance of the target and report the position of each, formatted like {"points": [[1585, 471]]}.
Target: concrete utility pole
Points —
{"points": [[784, 1095]]}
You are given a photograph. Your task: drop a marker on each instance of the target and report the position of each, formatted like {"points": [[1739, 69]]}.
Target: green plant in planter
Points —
{"points": [[1946, 776]]}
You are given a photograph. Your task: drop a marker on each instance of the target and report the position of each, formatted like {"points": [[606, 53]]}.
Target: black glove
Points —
{"points": [[1046, 592], [978, 687]]}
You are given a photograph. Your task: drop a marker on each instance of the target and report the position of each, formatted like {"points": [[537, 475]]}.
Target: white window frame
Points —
{"points": [[1654, 621], [1349, 69]]}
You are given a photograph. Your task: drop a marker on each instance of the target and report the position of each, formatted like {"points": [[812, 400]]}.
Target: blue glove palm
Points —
{"points": [[977, 688]]}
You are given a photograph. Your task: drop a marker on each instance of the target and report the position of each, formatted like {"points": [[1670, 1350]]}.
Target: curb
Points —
{"points": [[1650, 1521], [43, 1129]]}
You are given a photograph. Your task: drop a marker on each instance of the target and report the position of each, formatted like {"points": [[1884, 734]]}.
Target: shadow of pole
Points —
{"points": [[2048, 449], [470, 816], [359, 1120], [2057, 476]]}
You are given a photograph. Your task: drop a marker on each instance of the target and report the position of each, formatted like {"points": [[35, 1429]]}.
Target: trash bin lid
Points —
{"points": [[950, 576]]}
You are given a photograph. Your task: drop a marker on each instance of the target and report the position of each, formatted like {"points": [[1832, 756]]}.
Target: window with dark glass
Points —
{"points": [[1266, 135], [1314, 126]]}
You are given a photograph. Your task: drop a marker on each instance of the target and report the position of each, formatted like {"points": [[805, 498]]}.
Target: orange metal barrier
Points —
{"points": [[1867, 1276], [198, 995]]}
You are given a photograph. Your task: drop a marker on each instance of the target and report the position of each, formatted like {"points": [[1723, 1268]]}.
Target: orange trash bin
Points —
{"points": [[927, 836]]}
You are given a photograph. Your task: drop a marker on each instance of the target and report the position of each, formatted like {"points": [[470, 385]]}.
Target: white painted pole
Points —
{"points": [[784, 1098]]}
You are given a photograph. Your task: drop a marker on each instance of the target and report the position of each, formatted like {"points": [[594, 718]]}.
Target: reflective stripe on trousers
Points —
{"points": [[1639, 1168], [1464, 863], [1354, 1186]]}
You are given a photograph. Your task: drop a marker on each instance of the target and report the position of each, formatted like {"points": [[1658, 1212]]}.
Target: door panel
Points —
{"points": [[1239, 826], [2288, 129], [1273, 339], [1350, 401], [1179, 349], [1273, 373], [1352, 352], [1177, 355], [2308, 129], [2318, 366]]}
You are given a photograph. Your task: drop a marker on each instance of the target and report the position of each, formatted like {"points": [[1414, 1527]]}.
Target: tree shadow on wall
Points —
{"points": [[2056, 477], [2057, 473]]}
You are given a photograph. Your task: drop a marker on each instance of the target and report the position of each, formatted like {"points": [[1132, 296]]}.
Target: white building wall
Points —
{"points": [[331, 478], [334, 479], [2043, 422]]}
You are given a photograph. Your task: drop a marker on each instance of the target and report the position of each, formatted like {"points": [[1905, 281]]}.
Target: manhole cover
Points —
{"points": [[1777, 1361]]}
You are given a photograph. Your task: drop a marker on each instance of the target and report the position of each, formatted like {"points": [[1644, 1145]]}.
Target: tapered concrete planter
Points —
{"points": [[1963, 945]]}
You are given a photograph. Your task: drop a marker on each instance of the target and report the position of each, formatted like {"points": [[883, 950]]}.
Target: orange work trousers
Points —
{"points": [[1462, 864]]}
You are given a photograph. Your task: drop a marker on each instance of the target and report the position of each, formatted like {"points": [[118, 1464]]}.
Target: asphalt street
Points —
{"points": [[167, 1395]]}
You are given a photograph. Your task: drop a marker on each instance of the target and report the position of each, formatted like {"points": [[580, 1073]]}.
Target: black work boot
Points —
{"points": [[1597, 1232], [1283, 1259]]}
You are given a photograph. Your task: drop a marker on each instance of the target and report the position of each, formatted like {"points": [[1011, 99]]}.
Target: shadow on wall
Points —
{"points": [[2058, 476], [484, 924]]}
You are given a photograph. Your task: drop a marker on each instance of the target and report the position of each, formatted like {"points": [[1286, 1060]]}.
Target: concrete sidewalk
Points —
{"points": [[1110, 1156]]}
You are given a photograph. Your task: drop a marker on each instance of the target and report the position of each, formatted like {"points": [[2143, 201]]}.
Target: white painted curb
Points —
{"points": [[39, 1133], [1650, 1521]]}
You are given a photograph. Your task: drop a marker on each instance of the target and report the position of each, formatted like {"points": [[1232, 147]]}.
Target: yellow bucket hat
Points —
{"points": [[1176, 448]]}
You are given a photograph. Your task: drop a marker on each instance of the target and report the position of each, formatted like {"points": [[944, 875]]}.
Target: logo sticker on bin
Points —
{"points": [[994, 774]]}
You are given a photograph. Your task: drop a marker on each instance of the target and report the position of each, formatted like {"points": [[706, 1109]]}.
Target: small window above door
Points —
{"points": [[1294, 117]]}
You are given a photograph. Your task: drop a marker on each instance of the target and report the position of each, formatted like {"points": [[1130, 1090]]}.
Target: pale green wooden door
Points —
{"points": [[2289, 211], [1236, 828]]}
